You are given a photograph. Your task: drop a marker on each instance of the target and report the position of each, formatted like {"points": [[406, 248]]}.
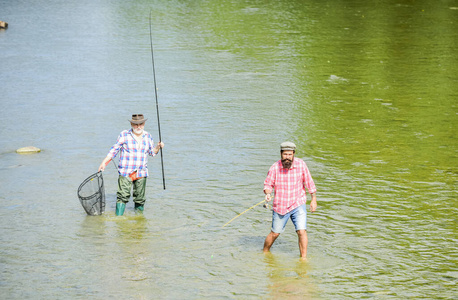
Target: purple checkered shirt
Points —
{"points": [[289, 185], [132, 158]]}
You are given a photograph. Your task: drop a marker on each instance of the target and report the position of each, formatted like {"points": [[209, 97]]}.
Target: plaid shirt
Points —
{"points": [[132, 158], [289, 185]]}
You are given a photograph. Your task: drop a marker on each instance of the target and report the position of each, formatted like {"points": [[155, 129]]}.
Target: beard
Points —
{"points": [[137, 131], [286, 163]]}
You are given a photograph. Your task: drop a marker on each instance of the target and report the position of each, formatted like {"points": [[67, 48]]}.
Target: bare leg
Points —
{"points": [[303, 241], [270, 239]]}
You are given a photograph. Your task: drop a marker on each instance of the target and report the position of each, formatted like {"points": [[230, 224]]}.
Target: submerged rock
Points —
{"points": [[29, 149]]}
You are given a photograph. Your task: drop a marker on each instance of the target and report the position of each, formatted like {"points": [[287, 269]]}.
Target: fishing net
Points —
{"points": [[92, 194]]}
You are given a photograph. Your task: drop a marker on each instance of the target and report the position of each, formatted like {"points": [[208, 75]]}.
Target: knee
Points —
{"points": [[274, 234], [302, 232]]}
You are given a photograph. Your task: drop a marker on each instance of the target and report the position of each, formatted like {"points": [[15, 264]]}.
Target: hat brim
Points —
{"points": [[138, 121]]}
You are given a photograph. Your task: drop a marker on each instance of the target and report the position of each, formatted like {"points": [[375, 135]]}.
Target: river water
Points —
{"points": [[367, 91]]}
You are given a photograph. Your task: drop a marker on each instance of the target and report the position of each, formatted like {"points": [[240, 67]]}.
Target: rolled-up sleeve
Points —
{"points": [[151, 146], [115, 148], [269, 183], [308, 181]]}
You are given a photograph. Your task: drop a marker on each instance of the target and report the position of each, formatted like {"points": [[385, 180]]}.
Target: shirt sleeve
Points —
{"points": [[269, 183], [308, 181], [115, 148], [151, 146]]}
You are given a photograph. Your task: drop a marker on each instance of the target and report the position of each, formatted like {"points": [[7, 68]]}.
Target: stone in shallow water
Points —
{"points": [[29, 149]]}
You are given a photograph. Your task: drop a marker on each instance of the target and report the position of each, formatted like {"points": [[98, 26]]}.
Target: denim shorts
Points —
{"points": [[298, 217]]}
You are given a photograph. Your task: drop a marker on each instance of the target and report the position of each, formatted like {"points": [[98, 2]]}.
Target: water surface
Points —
{"points": [[367, 92]]}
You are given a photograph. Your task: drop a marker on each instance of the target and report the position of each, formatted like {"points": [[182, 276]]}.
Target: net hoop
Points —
{"points": [[91, 194]]}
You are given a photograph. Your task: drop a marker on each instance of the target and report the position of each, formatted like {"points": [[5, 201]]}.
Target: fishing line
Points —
{"points": [[243, 212], [116, 166], [155, 93]]}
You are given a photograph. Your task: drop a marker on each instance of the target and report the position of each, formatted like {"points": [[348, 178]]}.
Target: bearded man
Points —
{"points": [[135, 146], [289, 177]]}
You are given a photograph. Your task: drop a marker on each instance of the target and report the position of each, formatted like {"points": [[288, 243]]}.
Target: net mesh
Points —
{"points": [[92, 194]]}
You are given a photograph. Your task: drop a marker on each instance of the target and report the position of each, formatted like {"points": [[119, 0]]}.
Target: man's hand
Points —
{"points": [[158, 147], [104, 164], [268, 195]]}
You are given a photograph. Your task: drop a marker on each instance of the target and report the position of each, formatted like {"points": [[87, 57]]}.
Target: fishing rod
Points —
{"points": [[155, 93], [246, 211]]}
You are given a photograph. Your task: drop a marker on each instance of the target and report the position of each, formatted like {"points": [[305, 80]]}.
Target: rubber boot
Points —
{"points": [[139, 207], [120, 207]]}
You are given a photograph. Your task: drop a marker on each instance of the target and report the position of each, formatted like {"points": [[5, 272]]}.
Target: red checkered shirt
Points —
{"points": [[289, 185], [134, 157]]}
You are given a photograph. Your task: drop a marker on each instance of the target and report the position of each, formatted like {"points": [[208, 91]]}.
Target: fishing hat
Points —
{"points": [[288, 146], [138, 119]]}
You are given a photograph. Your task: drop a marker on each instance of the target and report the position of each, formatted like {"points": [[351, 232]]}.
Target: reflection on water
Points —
{"points": [[289, 280], [130, 239], [366, 91]]}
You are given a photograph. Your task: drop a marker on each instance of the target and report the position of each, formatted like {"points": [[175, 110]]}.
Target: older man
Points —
{"points": [[135, 146], [289, 177]]}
